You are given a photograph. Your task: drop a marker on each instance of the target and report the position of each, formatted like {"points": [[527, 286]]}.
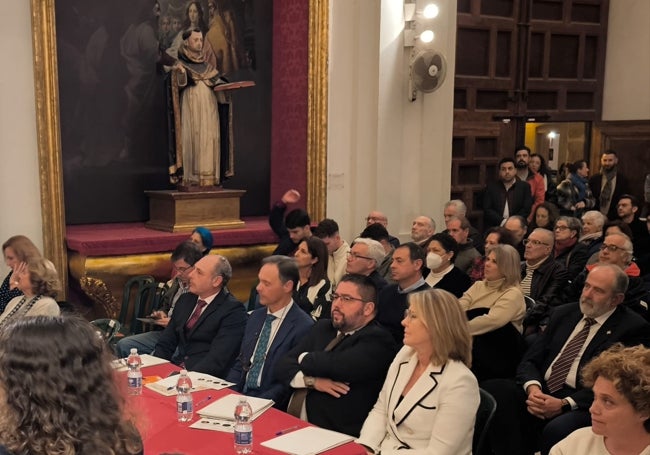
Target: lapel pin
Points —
{"points": [[609, 332]]}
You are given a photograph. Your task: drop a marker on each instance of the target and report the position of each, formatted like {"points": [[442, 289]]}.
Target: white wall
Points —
{"points": [[19, 184], [385, 152], [626, 95]]}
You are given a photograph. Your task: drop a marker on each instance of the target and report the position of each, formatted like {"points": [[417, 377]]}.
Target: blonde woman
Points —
{"points": [[429, 400], [495, 309], [39, 283]]}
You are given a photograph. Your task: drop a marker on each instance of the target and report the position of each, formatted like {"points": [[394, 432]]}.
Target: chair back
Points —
{"points": [[148, 300], [106, 328], [130, 310], [484, 414]]}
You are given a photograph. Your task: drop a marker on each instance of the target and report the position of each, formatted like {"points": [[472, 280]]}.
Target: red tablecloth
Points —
{"points": [[162, 433]]}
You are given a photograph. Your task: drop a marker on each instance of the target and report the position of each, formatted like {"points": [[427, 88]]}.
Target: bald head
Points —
{"points": [[422, 228], [377, 217]]}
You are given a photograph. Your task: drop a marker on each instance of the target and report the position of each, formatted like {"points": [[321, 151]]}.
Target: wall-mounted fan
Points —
{"points": [[427, 72]]}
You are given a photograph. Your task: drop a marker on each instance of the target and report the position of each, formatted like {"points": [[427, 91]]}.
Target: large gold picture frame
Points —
{"points": [[49, 131]]}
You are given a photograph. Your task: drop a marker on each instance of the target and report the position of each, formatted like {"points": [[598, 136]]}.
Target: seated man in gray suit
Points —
{"points": [[207, 325], [271, 331]]}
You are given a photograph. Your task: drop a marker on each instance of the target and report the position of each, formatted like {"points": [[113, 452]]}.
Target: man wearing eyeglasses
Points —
{"points": [[542, 278], [617, 250], [364, 258], [338, 368], [183, 259]]}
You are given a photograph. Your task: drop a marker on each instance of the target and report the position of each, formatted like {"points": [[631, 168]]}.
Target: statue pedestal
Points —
{"points": [[174, 211]]}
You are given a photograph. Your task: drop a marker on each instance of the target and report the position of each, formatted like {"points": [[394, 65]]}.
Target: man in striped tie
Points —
{"points": [[547, 399]]}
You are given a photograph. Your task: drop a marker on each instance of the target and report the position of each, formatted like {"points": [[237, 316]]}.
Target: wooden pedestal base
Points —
{"points": [[174, 211]]}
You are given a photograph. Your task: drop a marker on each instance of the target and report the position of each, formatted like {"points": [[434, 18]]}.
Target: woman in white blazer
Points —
{"points": [[430, 397]]}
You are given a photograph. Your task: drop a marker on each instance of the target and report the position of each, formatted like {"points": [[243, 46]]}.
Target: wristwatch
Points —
{"points": [[310, 381], [566, 406]]}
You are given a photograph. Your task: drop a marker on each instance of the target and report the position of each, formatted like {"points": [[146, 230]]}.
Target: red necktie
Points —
{"points": [[191, 322]]}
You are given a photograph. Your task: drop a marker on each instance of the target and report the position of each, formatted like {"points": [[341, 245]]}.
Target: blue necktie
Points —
{"points": [[260, 354]]}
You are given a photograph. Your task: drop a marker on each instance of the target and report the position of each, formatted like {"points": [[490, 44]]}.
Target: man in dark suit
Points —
{"points": [[270, 332], [506, 197], [338, 368], [548, 397], [406, 270], [608, 186], [207, 325]]}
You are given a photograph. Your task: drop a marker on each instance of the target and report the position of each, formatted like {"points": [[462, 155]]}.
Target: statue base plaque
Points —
{"points": [[175, 211]]}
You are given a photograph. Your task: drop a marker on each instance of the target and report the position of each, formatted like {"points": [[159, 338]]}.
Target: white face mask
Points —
{"points": [[434, 261]]}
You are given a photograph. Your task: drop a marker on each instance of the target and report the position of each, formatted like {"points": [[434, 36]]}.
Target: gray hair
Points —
{"points": [[596, 217], [375, 249], [628, 246], [224, 269], [572, 223], [461, 208]]}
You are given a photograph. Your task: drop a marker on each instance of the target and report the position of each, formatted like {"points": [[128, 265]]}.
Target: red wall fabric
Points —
{"points": [[289, 98]]}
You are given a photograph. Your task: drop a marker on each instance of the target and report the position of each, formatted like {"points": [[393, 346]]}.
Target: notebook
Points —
{"points": [[307, 441], [200, 381], [224, 408]]}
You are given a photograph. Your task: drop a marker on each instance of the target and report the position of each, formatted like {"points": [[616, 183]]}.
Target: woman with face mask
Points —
{"points": [[441, 253]]}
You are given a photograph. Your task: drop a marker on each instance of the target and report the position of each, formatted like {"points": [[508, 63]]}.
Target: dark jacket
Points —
{"points": [[391, 305], [574, 259], [292, 329], [621, 188], [456, 282], [622, 326], [545, 289], [519, 197], [285, 247], [361, 360], [213, 343]]}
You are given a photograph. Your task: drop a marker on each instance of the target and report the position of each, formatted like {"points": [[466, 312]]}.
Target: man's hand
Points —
{"points": [[162, 322], [334, 388], [542, 405], [291, 197]]}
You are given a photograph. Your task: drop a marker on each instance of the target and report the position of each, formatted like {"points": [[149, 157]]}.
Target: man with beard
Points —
{"points": [[536, 181], [547, 398], [506, 197], [608, 186], [338, 368]]}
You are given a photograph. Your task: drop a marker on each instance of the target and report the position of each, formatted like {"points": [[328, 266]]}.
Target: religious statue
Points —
{"points": [[203, 130]]}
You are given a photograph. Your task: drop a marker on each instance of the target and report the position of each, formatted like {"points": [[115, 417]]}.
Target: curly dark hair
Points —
{"points": [[60, 390]]}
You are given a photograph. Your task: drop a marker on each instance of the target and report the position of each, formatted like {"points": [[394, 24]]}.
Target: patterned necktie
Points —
{"points": [[299, 396], [606, 196], [561, 367], [191, 322], [260, 354]]}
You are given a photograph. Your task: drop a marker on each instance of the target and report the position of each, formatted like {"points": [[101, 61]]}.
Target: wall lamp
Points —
{"points": [[418, 22]]}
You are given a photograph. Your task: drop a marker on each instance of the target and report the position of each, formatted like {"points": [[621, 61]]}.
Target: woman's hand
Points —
{"points": [[15, 274]]}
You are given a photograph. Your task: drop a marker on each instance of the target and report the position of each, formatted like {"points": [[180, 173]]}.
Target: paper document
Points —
{"points": [[224, 408], [200, 381], [307, 441], [147, 361]]}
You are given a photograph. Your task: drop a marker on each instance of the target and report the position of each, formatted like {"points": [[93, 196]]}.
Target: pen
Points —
{"points": [[287, 430], [203, 401]]}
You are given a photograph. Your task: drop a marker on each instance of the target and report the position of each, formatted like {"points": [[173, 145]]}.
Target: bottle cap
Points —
{"points": [[134, 350], [184, 372]]}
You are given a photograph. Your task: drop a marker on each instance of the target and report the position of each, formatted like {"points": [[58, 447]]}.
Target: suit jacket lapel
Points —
{"points": [[423, 387], [286, 326], [211, 308]]}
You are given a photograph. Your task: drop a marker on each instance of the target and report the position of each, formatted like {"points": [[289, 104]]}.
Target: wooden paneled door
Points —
{"points": [[519, 61]]}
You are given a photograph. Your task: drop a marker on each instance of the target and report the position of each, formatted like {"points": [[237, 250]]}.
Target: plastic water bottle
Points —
{"points": [[243, 427], [184, 401], [134, 374]]}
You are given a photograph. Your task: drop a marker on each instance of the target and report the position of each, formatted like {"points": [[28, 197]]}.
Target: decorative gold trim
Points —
{"points": [[46, 87], [49, 132], [317, 109]]}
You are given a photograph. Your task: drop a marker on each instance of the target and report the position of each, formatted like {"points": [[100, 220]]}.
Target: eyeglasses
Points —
{"points": [[534, 242], [612, 248], [561, 228], [353, 255], [345, 298], [183, 269]]}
